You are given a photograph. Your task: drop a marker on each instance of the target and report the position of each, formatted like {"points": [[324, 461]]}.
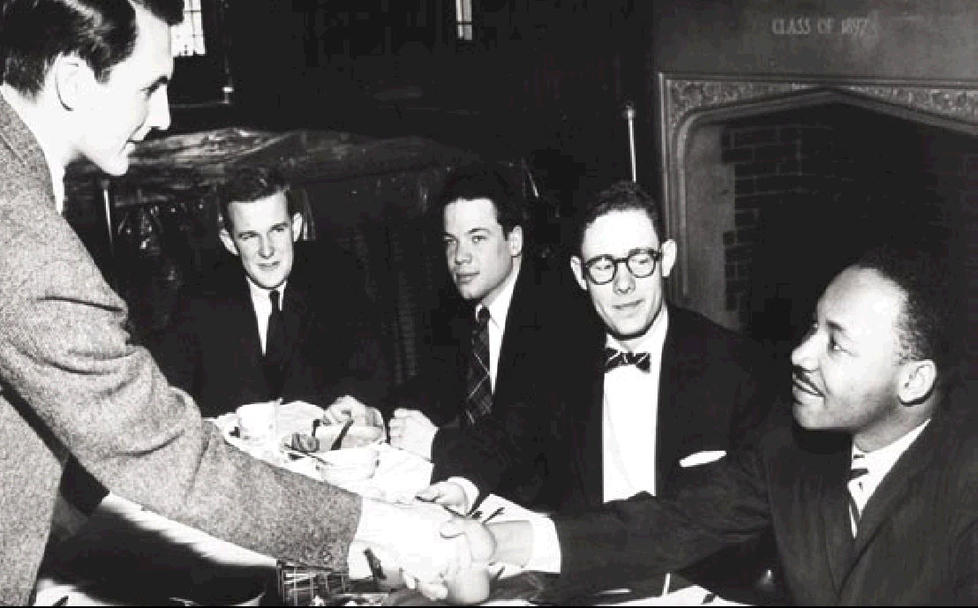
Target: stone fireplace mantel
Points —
{"points": [[687, 101]]}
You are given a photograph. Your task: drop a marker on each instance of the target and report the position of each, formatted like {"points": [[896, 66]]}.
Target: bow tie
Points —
{"points": [[615, 358]]}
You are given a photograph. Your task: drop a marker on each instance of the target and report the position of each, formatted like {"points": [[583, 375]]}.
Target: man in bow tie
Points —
{"points": [[652, 390]]}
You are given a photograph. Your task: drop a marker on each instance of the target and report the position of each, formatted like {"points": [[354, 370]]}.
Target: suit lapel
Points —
{"points": [[834, 510], [520, 317], [240, 318], [294, 313], [892, 490], [670, 419]]}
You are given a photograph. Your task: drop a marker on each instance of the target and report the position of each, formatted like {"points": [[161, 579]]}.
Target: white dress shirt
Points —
{"points": [[877, 464], [262, 306], [498, 310], [629, 417]]}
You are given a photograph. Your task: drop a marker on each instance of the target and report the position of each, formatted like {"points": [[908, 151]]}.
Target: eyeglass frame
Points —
{"points": [[655, 254]]}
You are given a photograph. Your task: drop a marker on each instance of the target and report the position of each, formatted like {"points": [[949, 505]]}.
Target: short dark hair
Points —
{"points": [[926, 323], [484, 180], [33, 33], [620, 196], [246, 184]]}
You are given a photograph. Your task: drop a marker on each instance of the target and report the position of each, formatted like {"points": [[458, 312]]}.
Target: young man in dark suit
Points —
{"points": [[472, 412], [652, 391], [282, 322], [872, 495]]}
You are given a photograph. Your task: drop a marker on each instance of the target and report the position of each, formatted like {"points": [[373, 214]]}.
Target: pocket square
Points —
{"points": [[699, 458]]}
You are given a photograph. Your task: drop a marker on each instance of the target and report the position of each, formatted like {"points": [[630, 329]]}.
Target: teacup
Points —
{"points": [[257, 421]]}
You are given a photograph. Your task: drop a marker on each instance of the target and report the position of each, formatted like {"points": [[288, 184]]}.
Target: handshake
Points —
{"points": [[441, 554]]}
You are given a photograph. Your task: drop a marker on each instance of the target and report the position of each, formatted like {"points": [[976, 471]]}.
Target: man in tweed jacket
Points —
{"points": [[88, 78]]}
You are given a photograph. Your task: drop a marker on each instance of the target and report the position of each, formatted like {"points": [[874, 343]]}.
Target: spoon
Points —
{"points": [[339, 438]]}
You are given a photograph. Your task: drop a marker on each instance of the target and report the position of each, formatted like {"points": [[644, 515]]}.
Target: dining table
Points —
{"points": [[126, 554]]}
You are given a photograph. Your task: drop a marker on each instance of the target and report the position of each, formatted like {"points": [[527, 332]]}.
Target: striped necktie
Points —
{"points": [[857, 471], [478, 386]]}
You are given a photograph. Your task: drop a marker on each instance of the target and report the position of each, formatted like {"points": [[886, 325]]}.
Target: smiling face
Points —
{"points": [[262, 234], [118, 113], [479, 254], [628, 305], [848, 369]]}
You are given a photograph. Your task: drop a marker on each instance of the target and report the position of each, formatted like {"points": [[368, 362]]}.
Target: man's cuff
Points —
{"points": [[545, 555], [426, 450], [468, 488]]}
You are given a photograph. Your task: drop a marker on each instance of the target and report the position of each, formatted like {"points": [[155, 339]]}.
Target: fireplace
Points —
{"points": [[790, 134]]}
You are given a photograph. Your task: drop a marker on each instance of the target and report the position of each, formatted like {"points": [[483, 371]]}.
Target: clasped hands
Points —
{"points": [[441, 555]]}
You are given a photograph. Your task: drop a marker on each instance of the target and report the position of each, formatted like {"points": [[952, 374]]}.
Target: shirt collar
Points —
{"points": [[500, 306], [653, 340], [260, 294], [883, 459]]}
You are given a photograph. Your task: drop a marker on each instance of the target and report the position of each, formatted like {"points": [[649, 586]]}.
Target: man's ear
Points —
{"points": [[515, 241], [578, 269], [73, 81], [917, 380], [228, 242], [668, 257], [296, 226]]}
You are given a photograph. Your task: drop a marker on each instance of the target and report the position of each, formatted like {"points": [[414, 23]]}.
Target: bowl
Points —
{"points": [[348, 464], [359, 435]]}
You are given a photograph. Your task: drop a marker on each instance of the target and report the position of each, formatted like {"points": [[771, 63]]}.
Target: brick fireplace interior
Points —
{"points": [[775, 202]]}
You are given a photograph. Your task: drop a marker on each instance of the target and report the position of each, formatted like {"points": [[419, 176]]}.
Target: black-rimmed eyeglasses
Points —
{"points": [[640, 262]]}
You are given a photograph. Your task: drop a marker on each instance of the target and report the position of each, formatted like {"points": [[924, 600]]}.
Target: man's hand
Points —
{"points": [[447, 493], [478, 538], [347, 407], [473, 548], [412, 431], [407, 539]]}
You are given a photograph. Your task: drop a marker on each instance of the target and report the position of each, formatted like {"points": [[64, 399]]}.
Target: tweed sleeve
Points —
{"points": [[67, 362]]}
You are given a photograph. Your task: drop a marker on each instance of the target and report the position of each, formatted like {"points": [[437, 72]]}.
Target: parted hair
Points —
{"points": [[33, 33], [484, 180], [620, 196], [246, 184]]}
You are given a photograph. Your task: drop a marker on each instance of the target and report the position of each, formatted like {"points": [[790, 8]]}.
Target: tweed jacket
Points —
{"points": [[72, 382], [917, 541]]}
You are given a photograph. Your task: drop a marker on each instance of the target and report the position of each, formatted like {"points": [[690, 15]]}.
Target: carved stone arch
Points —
{"points": [[686, 102]]}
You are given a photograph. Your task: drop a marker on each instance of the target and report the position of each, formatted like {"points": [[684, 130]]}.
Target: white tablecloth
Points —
{"points": [[144, 543]]}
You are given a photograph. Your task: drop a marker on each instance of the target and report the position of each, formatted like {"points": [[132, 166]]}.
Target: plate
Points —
{"points": [[357, 437]]}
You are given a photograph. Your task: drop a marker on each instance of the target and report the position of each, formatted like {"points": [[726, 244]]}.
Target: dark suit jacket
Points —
{"points": [[917, 541], [504, 451], [71, 381], [212, 348], [713, 391]]}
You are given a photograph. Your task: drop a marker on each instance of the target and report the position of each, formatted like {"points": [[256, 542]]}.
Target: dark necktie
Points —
{"points": [[856, 472], [274, 346], [478, 387], [614, 358]]}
